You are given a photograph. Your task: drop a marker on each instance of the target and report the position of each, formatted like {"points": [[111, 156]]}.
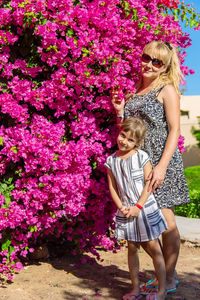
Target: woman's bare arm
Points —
{"points": [[171, 102]]}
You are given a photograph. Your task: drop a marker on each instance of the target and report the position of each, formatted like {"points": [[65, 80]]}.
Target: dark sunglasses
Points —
{"points": [[155, 62]]}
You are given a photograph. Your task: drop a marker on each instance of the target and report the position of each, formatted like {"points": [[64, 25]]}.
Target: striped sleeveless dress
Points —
{"points": [[129, 177]]}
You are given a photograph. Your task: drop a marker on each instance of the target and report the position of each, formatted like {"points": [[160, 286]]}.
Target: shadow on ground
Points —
{"points": [[64, 277], [112, 281]]}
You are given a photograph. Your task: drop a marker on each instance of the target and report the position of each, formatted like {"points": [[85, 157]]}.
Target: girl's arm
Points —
{"points": [[134, 210], [113, 191], [171, 102]]}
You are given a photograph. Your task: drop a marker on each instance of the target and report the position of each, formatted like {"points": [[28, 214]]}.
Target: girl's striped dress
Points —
{"points": [[129, 177]]}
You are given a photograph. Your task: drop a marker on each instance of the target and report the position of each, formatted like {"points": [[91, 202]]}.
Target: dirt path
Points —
{"points": [[65, 279]]}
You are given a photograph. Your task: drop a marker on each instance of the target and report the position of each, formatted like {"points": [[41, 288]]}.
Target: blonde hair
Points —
{"points": [[167, 53], [136, 126]]}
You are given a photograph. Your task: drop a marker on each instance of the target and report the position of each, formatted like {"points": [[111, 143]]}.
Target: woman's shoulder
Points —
{"points": [[168, 92], [168, 89]]}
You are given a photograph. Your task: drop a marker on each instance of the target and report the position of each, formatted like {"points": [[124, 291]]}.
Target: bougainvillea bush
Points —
{"points": [[58, 62]]}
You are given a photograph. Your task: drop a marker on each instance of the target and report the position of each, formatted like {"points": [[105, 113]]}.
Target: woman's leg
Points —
{"points": [[171, 247], [153, 248], [133, 265]]}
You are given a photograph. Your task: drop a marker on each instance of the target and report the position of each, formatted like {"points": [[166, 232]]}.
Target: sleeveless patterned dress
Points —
{"points": [[129, 178], [174, 190]]}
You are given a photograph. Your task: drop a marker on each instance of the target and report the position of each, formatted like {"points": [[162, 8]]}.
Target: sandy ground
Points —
{"points": [[64, 278]]}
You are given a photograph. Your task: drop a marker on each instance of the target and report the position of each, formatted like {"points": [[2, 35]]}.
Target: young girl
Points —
{"points": [[138, 218]]}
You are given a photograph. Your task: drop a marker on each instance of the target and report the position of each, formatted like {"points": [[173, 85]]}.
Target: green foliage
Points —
{"points": [[186, 14], [6, 246], [196, 132], [6, 186], [192, 209], [192, 175]]}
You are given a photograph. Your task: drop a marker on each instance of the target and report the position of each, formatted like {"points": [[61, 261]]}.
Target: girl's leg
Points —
{"points": [[153, 248], [171, 246], [133, 264]]}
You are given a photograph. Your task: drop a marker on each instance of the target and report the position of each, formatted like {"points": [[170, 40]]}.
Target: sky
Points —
{"points": [[193, 56]]}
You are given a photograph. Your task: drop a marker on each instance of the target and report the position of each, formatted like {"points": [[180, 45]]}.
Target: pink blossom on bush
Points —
{"points": [[181, 144]]}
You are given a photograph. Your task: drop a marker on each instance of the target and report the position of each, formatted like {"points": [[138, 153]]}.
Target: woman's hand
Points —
{"points": [[117, 103], [156, 177]]}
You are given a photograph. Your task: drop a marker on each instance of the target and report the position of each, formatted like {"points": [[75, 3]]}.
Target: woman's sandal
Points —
{"points": [[145, 291], [149, 284]]}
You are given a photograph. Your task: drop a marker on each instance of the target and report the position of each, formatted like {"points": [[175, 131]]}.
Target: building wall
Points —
{"points": [[190, 106]]}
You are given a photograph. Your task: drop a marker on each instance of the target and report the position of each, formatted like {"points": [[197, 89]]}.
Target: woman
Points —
{"points": [[157, 102]]}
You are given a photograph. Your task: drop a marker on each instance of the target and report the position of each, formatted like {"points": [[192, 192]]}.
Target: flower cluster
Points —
{"points": [[170, 3], [58, 62]]}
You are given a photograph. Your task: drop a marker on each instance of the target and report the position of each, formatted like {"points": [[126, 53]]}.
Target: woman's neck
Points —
{"points": [[148, 83]]}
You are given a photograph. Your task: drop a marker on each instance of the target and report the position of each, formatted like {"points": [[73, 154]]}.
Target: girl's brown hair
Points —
{"points": [[136, 126]]}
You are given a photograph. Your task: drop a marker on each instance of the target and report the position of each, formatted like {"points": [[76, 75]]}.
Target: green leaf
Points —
{"points": [[94, 165], [5, 245], [192, 23], [134, 16], [56, 156], [87, 74], [11, 249], [183, 16], [14, 149], [70, 32], [187, 23], [41, 184], [7, 199], [126, 5], [33, 228]]}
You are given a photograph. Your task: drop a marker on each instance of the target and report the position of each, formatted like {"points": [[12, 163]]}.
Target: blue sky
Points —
{"points": [[193, 56]]}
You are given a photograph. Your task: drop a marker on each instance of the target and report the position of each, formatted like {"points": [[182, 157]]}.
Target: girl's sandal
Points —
{"points": [[149, 297], [147, 290], [132, 297], [149, 284]]}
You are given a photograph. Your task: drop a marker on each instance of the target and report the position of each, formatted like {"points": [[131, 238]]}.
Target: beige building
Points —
{"points": [[190, 110]]}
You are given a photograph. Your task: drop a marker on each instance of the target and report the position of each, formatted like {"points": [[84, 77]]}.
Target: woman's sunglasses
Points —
{"points": [[155, 62]]}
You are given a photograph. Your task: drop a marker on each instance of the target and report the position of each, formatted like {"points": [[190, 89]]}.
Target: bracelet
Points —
{"points": [[139, 206]]}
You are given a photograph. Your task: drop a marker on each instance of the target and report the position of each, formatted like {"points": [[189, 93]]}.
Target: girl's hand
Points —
{"points": [[133, 211], [117, 103], [123, 210], [156, 177]]}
